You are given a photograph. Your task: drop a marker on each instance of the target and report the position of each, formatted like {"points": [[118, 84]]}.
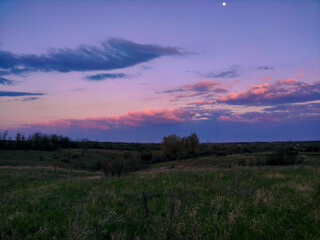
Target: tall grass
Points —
{"points": [[235, 203]]}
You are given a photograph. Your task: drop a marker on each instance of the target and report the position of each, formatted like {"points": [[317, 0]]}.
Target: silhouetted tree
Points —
{"points": [[193, 144], [3, 139], [172, 146], [19, 141]]}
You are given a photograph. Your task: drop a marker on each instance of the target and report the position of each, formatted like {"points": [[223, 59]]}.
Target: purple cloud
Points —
{"points": [[284, 91], [18, 94], [231, 73], [5, 81], [104, 76], [266, 68], [206, 89], [111, 54]]}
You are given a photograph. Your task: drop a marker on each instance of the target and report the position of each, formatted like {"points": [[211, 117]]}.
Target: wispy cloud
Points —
{"points": [[111, 54], [18, 94], [200, 89], [231, 73], [264, 79], [279, 113], [254, 117], [146, 67], [297, 110], [203, 86], [26, 99], [29, 99], [201, 103], [266, 68], [172, 90], [284, 91], [5, 81], [104, 76]]}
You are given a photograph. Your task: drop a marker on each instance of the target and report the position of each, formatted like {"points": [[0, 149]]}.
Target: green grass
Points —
{"points": [[189, 203], [231, 161], [214, 161]]}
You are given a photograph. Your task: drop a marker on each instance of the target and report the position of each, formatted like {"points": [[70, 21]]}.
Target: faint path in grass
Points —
{"points": [[97, 175], [27, 167]]}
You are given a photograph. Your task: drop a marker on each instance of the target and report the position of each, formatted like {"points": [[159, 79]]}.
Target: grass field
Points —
{"points": [[206, 198]]}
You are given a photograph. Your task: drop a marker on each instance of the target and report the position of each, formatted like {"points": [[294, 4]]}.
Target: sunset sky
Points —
{"points": [[136, 71]]}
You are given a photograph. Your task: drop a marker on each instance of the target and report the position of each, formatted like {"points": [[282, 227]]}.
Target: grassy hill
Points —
{"points": [[62, 195]]}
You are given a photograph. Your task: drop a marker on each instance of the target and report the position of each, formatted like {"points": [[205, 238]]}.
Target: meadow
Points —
{"points": [[63, 194]]}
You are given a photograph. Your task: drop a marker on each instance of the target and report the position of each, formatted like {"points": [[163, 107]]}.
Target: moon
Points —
{"points": [[224, 4]]}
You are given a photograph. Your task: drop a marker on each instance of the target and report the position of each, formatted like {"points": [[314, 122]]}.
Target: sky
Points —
{"points": [[136, 71]]}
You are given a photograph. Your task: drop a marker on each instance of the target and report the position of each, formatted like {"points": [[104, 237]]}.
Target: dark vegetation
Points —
{"points": [[44, 142], [118, 158], [52, 187]]}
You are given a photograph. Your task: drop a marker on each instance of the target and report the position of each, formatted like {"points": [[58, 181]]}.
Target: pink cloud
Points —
{"points": [[288, 81], [171, 116], [133, 118], [283, 91], [153, 116]]}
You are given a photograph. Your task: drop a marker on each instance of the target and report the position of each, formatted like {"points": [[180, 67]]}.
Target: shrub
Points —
{"points": [[146, 156], [129, 162], [283, 156], [115, 167], [158, 156]]}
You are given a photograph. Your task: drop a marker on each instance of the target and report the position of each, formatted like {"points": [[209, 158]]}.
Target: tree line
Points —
{"points": [[172, 146], [46, 142], [36, 141]]}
